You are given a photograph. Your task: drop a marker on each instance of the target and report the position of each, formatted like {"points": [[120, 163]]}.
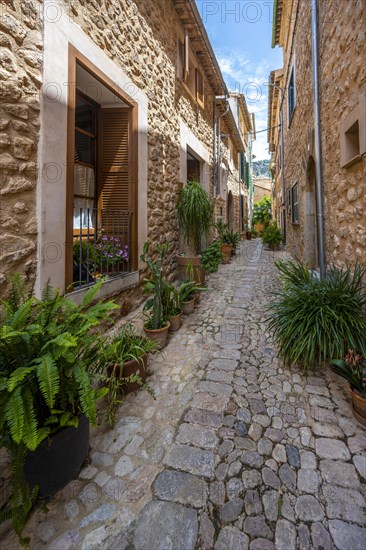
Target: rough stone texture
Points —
{"points": [[180, 487], [20, 88], [231, 537], [166, 524], [347, 536], [259, 497], [332, 449], [342, 79]]}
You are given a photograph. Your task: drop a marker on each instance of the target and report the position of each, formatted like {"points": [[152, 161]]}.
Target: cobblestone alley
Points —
{"points": [[236, 452]]}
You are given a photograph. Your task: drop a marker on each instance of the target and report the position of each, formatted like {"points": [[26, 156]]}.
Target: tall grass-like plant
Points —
{"points": [[317, 320], [195, 214]]}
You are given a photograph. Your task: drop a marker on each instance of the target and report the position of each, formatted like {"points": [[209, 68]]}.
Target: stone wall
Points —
{"points": [[21, 58], [342, 74], [262, 188]]}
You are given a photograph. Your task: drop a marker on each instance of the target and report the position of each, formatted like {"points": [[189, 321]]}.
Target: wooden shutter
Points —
{"points": [[186, 55], [200, 95], [114, 165]]}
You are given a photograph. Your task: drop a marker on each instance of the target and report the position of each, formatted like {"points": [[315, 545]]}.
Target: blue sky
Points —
{"points": [[240, 33]]}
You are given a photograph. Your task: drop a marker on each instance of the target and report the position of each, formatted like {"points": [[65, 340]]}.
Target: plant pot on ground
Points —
{"points": [[353, 369], [156, 327], [186, 293], [195, 217], [125, 358], [272, 236], [48, 356], [172, 306]]}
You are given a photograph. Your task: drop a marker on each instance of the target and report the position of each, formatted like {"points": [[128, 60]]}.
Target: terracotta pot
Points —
{"points": [[130, 367], [274, 247], [175, 322], [248, 235], [188, 307], [359, 407], [199, 273], [160, 335], [226, 249]]}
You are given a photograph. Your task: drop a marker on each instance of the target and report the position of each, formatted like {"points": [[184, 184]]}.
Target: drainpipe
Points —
{"points": [[219, 141], [214, 148], [318, 151]]}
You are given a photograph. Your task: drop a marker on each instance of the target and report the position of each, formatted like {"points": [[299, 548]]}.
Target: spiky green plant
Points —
{"points": [[47, 354], [317, 320], [155, 286], [195, 214]]}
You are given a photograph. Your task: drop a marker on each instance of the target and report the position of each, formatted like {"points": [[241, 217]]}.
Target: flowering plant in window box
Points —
{"points": [[112, 253]]}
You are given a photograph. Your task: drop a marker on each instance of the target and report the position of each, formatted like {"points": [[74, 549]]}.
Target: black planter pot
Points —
{"points": [[58, 459]]}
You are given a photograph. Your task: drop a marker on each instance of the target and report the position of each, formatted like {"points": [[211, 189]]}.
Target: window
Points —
{"points": [[100, 222], [291, 93], [294, 204], [188, 71], [193, 168], [353, 134]]}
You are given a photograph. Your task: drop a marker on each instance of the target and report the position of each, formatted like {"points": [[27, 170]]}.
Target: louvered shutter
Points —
{"points": [[114, 168]]}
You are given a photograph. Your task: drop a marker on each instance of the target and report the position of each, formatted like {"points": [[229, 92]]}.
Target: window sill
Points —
{"points": [[352, 161], [110, 287]]}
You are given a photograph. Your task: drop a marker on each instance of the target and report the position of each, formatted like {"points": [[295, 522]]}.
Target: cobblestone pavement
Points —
{"points": [[236, 452]]}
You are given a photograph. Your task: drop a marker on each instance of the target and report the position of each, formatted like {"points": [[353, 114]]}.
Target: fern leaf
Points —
{"points": [[15, 415], [30, 437], [48, 378], [90, 295], [17, 376], [86, 393]]}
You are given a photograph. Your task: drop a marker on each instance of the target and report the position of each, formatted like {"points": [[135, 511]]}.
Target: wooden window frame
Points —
{"points": [[295, 214], [291, 93], [77, 58]]}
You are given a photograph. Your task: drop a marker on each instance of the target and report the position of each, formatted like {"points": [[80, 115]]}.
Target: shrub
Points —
{"points": [[316, 320], [262, 210], [212, 257], [272, 235]]}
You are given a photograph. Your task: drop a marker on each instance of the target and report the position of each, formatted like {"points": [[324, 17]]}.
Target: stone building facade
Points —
{"points": [[262, 188], [73, 76], [342, 90]]}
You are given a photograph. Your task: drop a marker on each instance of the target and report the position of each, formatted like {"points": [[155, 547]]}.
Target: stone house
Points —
{"points": [[341, 158], [107, 108], [262, 188]]}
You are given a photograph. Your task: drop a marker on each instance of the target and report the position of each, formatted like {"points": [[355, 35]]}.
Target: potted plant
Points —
{"points": [[186, 292], [195, 217], [48, 351], [156, 327], [224, 236], [234, 239], [172, 307], [353, 369], [125, 358], [272, 236]]}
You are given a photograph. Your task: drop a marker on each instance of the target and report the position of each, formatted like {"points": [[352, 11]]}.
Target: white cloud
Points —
{"points": [[241, 75]]}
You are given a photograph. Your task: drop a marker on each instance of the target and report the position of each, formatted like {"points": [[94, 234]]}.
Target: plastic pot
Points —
{"points": [[58, 459]]}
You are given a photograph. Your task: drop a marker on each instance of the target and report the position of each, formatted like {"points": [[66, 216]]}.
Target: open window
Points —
{"points": [[352, 132], [101, 220], [193, 168], [188, 70]]}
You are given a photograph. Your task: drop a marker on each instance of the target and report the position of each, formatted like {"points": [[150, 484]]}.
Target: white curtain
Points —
{"points": [[84, 184]]}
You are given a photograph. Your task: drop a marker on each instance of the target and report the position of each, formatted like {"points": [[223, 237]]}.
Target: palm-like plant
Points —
{"points": [[155, 286], [195, 214], [317, 320]]}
